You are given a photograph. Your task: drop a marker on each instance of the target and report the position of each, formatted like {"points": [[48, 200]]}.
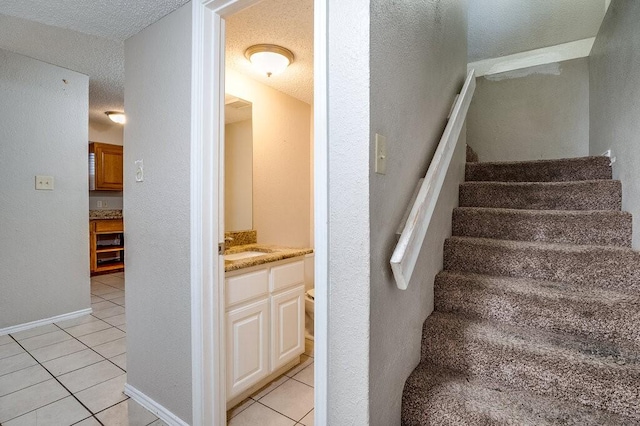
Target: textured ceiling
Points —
{"points": [[287, 23]]}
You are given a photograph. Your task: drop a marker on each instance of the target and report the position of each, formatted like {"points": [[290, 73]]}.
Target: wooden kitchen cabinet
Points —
{"points": [[107, 167], [106, 245]]}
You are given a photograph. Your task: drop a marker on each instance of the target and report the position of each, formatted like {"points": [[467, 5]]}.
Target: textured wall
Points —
{"points": [[614, 67], [415, 75], [502, 27], [281, 162], [531, 114], [158, 103], [44, 261]]}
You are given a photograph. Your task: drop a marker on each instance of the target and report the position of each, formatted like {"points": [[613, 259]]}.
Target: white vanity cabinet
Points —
{"points": [[265, 322]]}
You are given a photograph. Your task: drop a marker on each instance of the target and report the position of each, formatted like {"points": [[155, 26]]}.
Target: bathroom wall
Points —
{"points": [[281, 162], [157, 211], [430, 55], [534, 113], [44, 266], [615, 100]]}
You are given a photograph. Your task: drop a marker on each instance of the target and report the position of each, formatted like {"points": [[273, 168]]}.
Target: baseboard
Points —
{"points": [[161, 412], [38, 323]]}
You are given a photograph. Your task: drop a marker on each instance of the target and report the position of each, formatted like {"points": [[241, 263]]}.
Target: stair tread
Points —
{"points": [[533, 212], [578, 248], [434, 395]]}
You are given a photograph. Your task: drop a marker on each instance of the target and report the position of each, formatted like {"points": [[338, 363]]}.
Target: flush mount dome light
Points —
{"points": [[269, 58], [117, 116]]}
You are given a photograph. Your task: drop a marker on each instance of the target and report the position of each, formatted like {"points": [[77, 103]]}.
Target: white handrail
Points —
{"points": [[405, 255]]}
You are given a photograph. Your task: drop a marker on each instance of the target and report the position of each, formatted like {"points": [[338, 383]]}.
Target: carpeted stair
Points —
{"points": [[537, 311]]}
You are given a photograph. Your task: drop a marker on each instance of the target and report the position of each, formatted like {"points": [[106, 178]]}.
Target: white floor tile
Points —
{"points": [[111, 349], [305, 361], [21, 402], [88, 328], [100, 337], [105, 304], [306, 376], [44, 340], [102, 289], [72, 362], [96, 299], [56, 351], [240, 408], [117, 320], [88, 422], [5, 339], [119, 301], [158, 423], [89, 376], [120, 361], [126, 413], [36, 331], [15, 363], [110, 279], [116, 294], [258, 414], [292, 398], [104, 395], [10, 349], [270, 387], [76, 321], [66, 411], [123, 327], [110, 312], [308, 419], [23, 379]]}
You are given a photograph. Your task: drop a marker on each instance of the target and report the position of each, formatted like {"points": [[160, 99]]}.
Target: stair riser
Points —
{"points": [[546, 374], [593, 228], [612, 270], [592, 195], [614, 322], [592, 168]]}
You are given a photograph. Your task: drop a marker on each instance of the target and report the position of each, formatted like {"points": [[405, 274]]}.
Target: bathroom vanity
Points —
{"points": [[265, 317]]}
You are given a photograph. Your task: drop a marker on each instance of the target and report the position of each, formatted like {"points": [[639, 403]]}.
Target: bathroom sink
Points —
{"points": [[243, 255]]}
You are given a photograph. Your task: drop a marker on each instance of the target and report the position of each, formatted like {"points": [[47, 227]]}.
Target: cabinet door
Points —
{"points": [[247, 346], [108, 167], [287, 326]]}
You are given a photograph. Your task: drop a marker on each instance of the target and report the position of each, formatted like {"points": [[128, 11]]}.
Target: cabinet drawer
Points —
{"points": [[111, 225], [287, 275], [246, 286]]}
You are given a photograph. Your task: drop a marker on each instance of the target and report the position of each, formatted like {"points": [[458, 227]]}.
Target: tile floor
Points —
{"points": [[72, 372], [286, 401]]}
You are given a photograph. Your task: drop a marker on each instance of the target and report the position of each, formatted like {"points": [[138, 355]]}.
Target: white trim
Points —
{"points": [[38, 323], [532, 58], [321, 210], [158, 410], [406, 253]]}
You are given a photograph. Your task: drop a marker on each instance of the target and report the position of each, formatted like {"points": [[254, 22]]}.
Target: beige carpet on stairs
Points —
{"points": [[537, 311]]}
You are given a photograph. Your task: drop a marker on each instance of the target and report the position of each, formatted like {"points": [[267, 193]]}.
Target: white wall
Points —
{"points": [[502, 27], [111, 133], [157, 211], [348, 227], [415, 76], [44, 261], [614, 65], [281, 162], [530, 114], [238, 184]]}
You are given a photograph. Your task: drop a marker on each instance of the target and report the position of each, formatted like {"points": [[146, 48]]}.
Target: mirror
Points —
{"points": [[238, 158]]}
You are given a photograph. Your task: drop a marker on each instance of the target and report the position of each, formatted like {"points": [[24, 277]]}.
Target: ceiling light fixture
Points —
{"points": [[117, 116], [269, 58]]}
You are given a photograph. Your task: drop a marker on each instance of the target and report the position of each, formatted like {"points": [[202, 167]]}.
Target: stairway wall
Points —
{"points": [[415, 75], [614, 67], [533, 113]]}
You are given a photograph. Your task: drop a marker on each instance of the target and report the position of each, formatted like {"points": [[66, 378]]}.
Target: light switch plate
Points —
{"points": [[139, 171], [44, 183], [381, 154]]}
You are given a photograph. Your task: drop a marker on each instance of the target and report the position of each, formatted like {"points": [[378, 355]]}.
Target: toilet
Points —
{"points": [[309, 297]]}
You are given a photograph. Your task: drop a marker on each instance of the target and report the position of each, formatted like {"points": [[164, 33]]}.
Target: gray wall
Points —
{"points": [[502, 27], [535, 113], [156, 211], [44, 251], [415, 75], [615, 100]]}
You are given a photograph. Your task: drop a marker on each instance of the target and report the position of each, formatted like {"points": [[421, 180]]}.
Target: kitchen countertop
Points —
{"points": [[105, 214], [271, 254]]}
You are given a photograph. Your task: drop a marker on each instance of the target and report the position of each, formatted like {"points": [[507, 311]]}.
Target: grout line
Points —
{"points": [[273, 409], [88, 347]]}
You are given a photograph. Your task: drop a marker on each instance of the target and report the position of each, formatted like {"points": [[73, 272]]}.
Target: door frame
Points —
{"points": [[208, 346]]}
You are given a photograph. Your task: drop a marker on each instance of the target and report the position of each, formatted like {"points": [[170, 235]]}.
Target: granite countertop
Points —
{"points": [[105, 214], [271, 254]]}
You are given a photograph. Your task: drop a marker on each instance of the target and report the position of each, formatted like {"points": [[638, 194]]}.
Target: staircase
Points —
{"points": [[537, 311]]}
